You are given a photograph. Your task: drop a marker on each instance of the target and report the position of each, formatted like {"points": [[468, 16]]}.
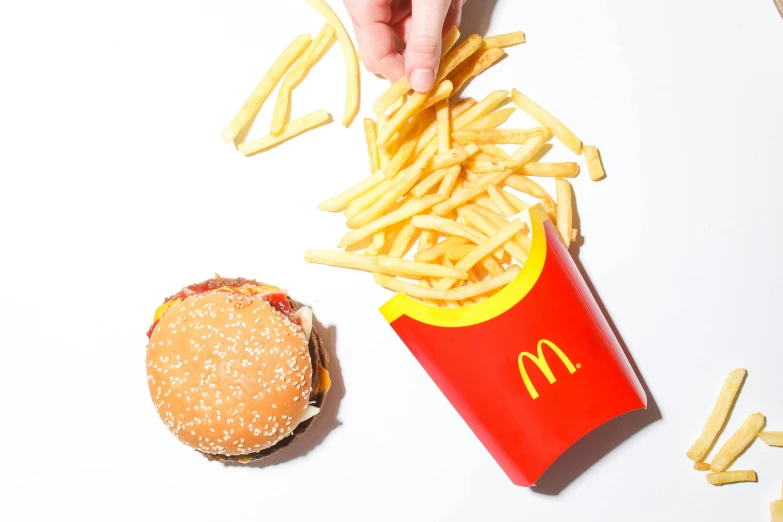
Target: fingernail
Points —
{"points": [[421, 80]]}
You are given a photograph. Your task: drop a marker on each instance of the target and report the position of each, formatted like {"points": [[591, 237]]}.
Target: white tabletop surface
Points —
{"points": [[117, 190]]}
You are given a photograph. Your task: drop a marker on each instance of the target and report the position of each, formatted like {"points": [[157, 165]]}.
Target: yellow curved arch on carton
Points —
{"points": [[490, 308]]}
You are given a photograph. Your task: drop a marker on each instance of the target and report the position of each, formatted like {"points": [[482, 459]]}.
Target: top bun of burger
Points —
{"points": [[234, 369]]}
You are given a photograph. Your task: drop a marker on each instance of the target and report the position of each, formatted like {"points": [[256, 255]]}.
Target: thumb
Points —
{"points": [[422, 51]]}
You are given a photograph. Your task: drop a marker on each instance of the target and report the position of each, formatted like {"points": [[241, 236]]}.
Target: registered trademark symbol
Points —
{"points": [[578, 366]]}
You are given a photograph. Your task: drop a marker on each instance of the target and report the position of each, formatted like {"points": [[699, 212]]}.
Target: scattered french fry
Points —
{"points": [[408, 210], [425, 185], [557, 128], [479, 63], [594, 164], [439, 249], [405, 268], [719, 416], [772, 438], [498, 196], [564, 210], [372, 145], [776, 511], [738, 442], [449, 40], [342, 200], [351, 60], [318, 47], [731, 477], [268, 83], [295, 128], [403, 241], [701, 466], [494, 150], [551, 170], [444, 125], [457, 56], [497, 136], [504, 40], [415, 104]]}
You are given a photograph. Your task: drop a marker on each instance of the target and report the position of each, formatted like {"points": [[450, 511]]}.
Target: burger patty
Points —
{"points": [[318, 357]]}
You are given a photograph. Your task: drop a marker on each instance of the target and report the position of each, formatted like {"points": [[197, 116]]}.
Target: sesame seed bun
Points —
{"points": [[231, 375]]}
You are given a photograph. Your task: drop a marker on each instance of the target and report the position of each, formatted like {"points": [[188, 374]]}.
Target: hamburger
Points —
{"points": [[235, 368]]}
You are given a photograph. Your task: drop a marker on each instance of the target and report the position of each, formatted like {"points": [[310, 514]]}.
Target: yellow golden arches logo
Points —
{"points": [[540, 361]]}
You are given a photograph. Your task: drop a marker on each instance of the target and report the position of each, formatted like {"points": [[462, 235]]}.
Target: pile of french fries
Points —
{"points": [[736, 445], [439, 179], [292, 67]]}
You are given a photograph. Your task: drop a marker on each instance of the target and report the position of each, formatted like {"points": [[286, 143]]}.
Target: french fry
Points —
{"points": [[517, 203], [318, 47], [564, 210], [479, 110], [504, 40], [449, 158], [518, 250], [594, 164], [293, 129], [531, 188], [484, 167], [342, 200], [457, 294], [443, 126], [351, 61], [457, 56], [486, 202], [415, 269], [366, 200], [776, 511], [265, 87], [551, 170], [480, 185], [557, 128], [738, 442], [494, 150], [492, 267], [772, 438], [424, 283], [720, 414], [701, 466], [410, 209], [449, 181], [378, 240], [458, 252], [497, 136], [448, 227], [428, 134], [426, 240], [400, 186], [370, 134], [343, 260], [394, 93], [479, 63], [403, 241], [731, 477], [439, 249], [449, 40], [498, 196], [433, 179], [415, 104], [482, 250], [401, 156]]}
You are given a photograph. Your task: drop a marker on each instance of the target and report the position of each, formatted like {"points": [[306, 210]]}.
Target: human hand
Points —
{"points": [[419, 24]]}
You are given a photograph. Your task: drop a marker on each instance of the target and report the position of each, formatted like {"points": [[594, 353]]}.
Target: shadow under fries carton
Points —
{"points": [[532, 369]]}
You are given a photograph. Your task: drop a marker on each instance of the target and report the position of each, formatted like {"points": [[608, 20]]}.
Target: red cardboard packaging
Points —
{"points": [[533, 368]]}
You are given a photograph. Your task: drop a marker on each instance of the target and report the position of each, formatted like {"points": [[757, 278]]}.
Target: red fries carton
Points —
{"points": [[532, 369]]}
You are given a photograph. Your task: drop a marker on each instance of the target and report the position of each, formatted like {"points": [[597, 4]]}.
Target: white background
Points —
{"points": [[117, 190]]}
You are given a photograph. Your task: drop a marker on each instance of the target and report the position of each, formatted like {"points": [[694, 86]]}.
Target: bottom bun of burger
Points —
{"points": [[235, 368]]}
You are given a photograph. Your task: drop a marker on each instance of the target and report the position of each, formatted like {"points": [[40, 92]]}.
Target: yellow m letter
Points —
{"points": [[540, 361]]}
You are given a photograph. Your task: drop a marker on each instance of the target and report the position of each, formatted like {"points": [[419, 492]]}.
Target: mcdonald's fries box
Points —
{"points": [[532, 369]]}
